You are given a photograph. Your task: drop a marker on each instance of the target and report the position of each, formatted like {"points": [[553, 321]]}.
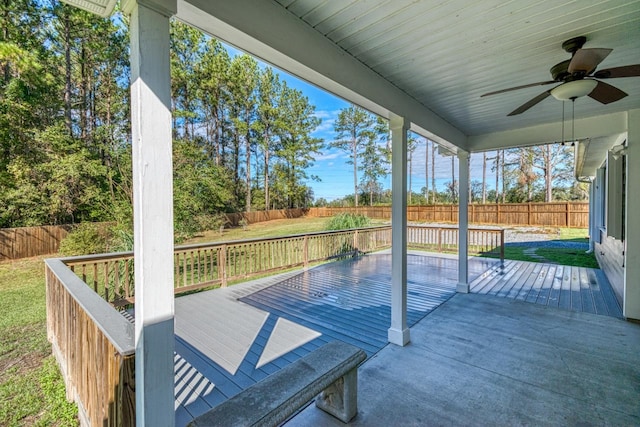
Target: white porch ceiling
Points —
{"points": [[431, 60]]}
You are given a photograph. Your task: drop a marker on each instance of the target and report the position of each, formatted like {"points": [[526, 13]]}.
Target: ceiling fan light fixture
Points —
{"points": [[574, 89]]}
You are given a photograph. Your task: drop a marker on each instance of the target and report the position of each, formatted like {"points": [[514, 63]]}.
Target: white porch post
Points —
{"points": [[399, 332], [631, 302], [152, 210], [463, 222]]}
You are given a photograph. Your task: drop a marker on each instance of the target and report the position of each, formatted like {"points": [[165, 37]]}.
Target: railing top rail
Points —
{"points": [[111, 256], [115, 326], [453, 226], [289, 236]]}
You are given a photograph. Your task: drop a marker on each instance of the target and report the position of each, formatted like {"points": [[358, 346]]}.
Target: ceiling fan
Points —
{"points": [[578, 77]]}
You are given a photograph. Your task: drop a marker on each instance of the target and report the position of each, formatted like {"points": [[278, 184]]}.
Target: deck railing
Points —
{"points": [[94, 343], [94, 346], [216, 264]]}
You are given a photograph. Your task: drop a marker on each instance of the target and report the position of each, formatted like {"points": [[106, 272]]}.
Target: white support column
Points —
{"points": [[152, 211], [631, 299], [463, 222], [399, 332]]}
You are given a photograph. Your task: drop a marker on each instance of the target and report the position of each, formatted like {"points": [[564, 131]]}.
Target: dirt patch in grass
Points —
{"points": [[23, 348]]}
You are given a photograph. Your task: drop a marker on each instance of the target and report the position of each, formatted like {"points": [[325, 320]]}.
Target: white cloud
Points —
{"points": [[329, 156], [328, 118]]}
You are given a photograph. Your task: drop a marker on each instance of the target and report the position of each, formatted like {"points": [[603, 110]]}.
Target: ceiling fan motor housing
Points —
{"points": [[574, 44]]}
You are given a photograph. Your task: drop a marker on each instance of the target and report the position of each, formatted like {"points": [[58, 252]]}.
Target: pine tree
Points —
{"points": [[298, 148], [375, 159], [270, 120], [353, 128]]}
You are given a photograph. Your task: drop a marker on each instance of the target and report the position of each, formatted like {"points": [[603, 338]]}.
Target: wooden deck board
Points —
{"points": [[525, 283], [536, 287], [545, 288], [609, 297], [598, 300], [586, 294], [576, 300], [514, 279]]}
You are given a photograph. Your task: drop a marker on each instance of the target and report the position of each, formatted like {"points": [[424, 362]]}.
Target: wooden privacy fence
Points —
{"points": [[216, 264], [553, 214], [25, 242], [16, 243], [261, 216]]}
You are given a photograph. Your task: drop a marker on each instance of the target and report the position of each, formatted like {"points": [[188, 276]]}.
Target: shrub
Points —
{"points": [[121, 240], [86, 238], [345, 221]]}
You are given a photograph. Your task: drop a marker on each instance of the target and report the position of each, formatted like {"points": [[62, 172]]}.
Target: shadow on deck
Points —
{"points": [[228, 339]]}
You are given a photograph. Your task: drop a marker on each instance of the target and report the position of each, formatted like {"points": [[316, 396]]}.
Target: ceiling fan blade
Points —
{"points": [[518, 87], [612, 73], [587, 59], [524, 107], [606, 94]]}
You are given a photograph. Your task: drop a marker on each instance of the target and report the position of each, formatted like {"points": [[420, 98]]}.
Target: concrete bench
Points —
{"points": [[331, 371]]}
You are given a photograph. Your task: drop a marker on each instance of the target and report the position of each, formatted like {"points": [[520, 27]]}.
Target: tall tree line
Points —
{"points": [[526, 174], [246, 120], [242, 137]]}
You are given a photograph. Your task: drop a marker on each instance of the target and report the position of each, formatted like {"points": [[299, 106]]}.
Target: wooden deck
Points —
{"points": [[566, 287], [230, 338]]}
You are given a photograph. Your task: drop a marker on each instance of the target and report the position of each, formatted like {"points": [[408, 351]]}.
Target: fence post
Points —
{"points": [[305, 251], [439, 239], [222, 266], [568, 222], [528, 213]]}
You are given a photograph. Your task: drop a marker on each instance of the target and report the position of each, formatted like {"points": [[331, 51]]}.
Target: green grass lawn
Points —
{"points": [[278, 227], [564, 256], [573, 257], [31, 387]]}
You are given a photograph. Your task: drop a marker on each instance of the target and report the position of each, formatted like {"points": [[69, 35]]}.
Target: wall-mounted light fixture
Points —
{"points": [[617, 151]]}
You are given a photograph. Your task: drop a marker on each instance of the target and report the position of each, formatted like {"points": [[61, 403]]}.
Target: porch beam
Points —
{"points": [[399, 332], [463, 222], [152, 210], [631, 300], [589, 127]]}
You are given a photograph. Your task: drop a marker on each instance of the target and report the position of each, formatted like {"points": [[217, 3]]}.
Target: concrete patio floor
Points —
{"points": [[486, 360]]}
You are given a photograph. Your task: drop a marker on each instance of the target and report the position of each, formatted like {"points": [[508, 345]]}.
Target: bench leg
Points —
{"points": [[340, 399]]}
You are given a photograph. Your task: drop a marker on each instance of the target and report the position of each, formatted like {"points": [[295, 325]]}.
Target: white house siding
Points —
{"points": [[610, 256]]}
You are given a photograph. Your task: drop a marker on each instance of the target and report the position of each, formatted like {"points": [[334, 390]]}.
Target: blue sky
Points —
{"points": [[336, 176]]}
